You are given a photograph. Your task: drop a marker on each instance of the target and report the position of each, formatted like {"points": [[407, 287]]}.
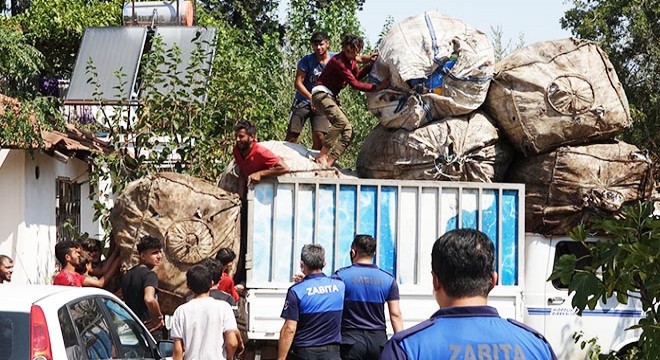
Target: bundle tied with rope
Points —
{"points": [[557, 93], [465, 148], [192, 217], [438, 67], [569, 185]]}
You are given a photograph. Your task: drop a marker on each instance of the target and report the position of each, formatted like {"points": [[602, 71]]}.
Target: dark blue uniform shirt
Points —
{"points": [[368, 288], [468, 332], [316, 304]]}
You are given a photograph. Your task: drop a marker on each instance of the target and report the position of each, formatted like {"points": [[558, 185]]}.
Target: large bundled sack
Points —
{"points": [[557, 93], [438, 67], [457, 149], [298, 158], [192, 217], [568, 185]]}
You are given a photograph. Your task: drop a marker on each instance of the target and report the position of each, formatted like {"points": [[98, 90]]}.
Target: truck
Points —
{"points": [[406, 217]]}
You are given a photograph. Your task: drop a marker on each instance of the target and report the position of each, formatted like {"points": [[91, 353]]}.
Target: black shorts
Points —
{"points": [[362, 344], [327, 352], [300, 113]]}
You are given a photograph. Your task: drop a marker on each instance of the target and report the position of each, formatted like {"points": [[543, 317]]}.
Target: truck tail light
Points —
{"points": [[39, 338]]}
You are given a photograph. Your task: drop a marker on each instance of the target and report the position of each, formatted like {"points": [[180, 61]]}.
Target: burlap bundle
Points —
{"points": [[456, 149], [557, 93], [192, 217], [412, 51], [568, 185]]}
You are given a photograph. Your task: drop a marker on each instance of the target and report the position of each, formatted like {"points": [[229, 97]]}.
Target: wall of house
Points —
{"points": [[30, 235], [12, 193]]}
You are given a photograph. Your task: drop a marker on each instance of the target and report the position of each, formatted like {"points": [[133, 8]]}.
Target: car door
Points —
{"points": [[134, 342], [86, 331]]}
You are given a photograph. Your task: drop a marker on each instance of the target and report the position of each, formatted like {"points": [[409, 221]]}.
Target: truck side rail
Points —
{"points": [[406, 217]]}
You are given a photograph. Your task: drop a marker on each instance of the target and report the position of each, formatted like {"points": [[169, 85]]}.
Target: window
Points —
{"points": [[73, 349], [93, 329], [14, 335], [132, 337], [571, 247], [67, 210]]}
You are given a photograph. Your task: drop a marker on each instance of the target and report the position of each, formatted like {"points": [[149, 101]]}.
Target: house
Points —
{"points": [[41, 190]]}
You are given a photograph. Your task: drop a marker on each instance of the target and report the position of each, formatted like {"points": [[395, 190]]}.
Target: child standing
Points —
{"points": [[227, 256]]}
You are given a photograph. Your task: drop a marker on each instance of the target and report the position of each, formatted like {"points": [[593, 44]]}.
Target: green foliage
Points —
{"points": [[334, 17], [55, 28], [21, 124], [19, 61], [624, 265], [256, 17], [629, 32]]}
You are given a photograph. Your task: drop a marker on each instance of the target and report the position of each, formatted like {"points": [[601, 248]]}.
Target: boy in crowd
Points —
{"points": [[6, 268], [226, 256], [68, 255], [140, 285], [215, 267], [203, 328]]}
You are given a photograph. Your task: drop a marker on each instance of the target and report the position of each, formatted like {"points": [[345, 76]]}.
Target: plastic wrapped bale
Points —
{"points": [[557, 93], [444, 65], [192, 217], [457, 149], [298, 158], [566, 186]]}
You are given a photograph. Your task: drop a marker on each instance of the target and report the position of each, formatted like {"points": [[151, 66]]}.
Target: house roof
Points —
{"points": [[70, 140]]}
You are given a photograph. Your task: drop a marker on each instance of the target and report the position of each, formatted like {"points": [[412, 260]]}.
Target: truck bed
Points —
{"points": [[405, 217]]}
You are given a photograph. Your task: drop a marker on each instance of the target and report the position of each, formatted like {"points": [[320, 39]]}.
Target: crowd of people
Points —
{"points": [[325, 317]]}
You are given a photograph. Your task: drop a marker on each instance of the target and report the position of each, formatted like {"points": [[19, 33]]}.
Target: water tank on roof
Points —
{"points": [[143, 13]]}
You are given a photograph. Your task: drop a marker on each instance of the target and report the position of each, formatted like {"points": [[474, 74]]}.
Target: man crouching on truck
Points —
{"points": [[465, 327], [312, 312], [254, 160]]}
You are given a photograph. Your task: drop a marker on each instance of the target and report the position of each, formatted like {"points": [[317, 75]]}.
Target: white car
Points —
{"points": [[48, 322]]}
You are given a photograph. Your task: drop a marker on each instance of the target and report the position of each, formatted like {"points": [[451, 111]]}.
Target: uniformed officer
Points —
{"points": [[312, 312], [368, 288], [465, 327]]}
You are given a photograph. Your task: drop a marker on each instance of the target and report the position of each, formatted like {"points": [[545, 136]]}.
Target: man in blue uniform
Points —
{"points": [[465, 327], [368, 288], [312, 312]]}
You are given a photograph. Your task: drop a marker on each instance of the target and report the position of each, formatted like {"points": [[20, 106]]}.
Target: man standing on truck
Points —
{"points": [[254, 160], [368, 288], [312, 312], [308, 70], [462, 265], [341, 70], [139, 285]]}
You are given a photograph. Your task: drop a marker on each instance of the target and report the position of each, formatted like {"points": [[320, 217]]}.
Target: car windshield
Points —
{"points": [[14, 335]]}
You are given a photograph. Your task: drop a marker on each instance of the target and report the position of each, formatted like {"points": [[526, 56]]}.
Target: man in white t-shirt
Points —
{"points": [[203, 328]]}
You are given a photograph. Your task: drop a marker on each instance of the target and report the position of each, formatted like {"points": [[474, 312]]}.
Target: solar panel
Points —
{"points": [[189, 40], [109, 50]]}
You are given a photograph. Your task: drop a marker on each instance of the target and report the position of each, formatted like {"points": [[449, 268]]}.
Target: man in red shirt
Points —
{"points": [[341, 70], [68, 254], [254, 160]]}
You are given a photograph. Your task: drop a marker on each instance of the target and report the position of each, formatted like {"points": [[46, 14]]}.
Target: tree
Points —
{"points": [[629, 32], [256, 16], [19, 61], [624, 265], [55, 28]]}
